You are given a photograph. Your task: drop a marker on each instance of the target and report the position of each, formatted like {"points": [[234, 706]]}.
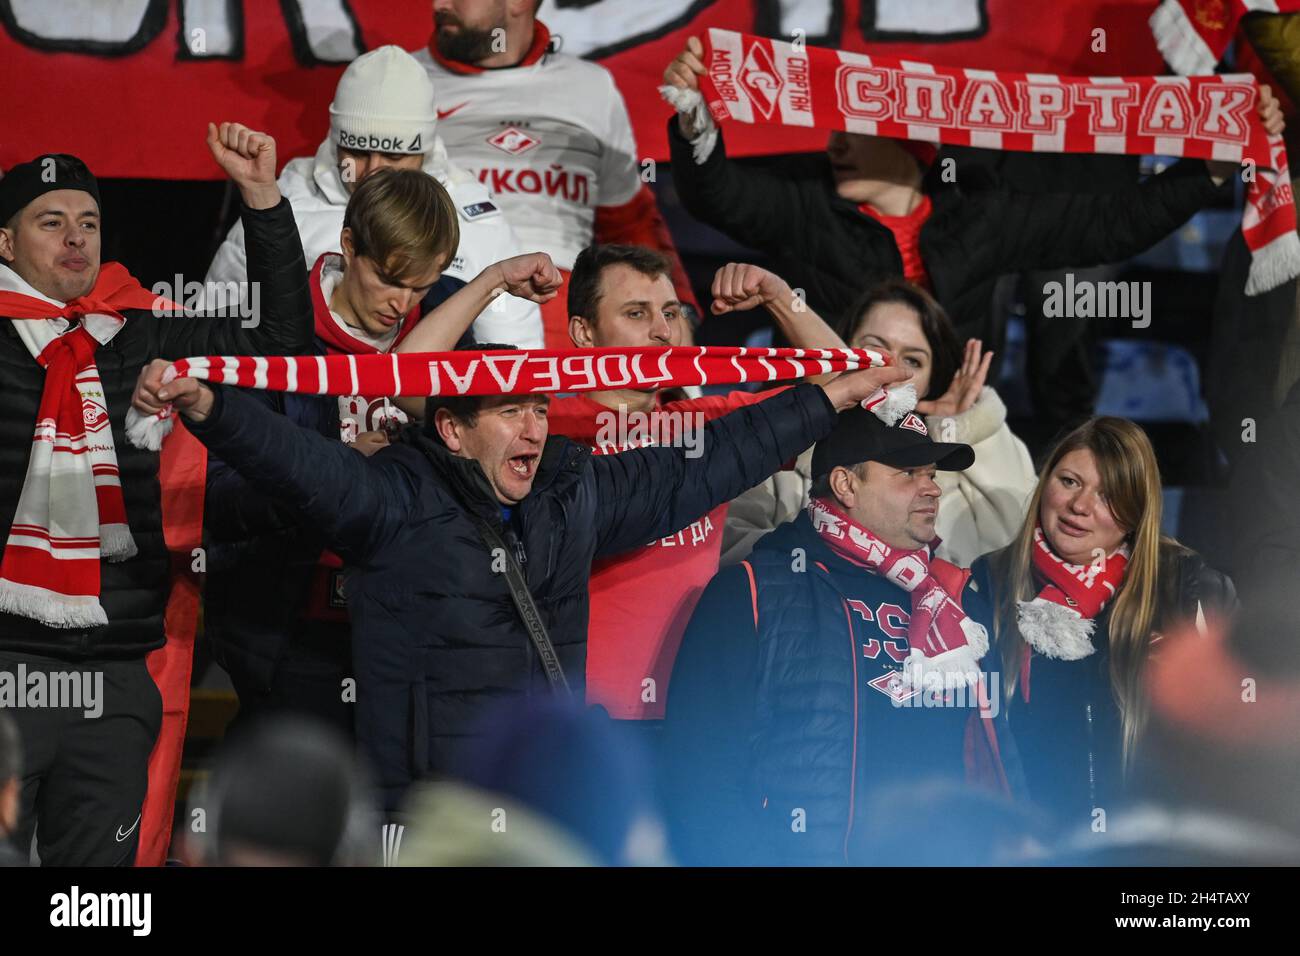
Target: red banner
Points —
{"points": [[130, 85]]}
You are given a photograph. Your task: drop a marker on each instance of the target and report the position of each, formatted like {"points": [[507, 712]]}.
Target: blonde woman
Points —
{"points": [[1080, 596]]}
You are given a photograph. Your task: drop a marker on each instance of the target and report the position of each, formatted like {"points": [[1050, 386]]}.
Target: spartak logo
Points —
{"points": [[914, 423], [93, 414], [759, 79], [1211, 14], [513, 141]]}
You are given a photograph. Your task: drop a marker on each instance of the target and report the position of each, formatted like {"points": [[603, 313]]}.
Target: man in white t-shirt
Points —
{"points": [[383, 115], [548, 134]]}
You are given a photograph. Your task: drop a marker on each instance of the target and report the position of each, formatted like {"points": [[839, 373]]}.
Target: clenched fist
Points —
{"points": [[740, 285], [248, 158], [531, 276]]}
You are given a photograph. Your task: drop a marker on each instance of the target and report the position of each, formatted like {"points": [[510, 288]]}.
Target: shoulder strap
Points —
{"points": [[528, 612], [753, 591]]}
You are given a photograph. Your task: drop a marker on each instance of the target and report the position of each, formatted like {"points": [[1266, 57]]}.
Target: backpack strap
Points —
{"points": [[753, 591], [952, 578]]}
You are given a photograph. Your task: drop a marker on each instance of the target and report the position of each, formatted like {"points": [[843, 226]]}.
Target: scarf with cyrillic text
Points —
{"points": [[940, 635], [519, 372], [757, 80]]}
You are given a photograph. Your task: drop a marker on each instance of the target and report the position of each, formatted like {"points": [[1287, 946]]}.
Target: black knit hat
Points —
{"points": [[860, 436], [42, 175]]}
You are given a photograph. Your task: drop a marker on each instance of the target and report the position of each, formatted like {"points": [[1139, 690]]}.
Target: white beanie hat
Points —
{"points": [[384, 103]]}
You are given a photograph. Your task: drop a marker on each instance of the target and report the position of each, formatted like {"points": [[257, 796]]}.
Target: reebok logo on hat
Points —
{"points": [[380, 144]]}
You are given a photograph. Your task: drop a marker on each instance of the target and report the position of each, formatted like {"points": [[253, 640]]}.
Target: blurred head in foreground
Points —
{"points": [[286, 793], [942, 822], [1225, 729], [570, 771]]}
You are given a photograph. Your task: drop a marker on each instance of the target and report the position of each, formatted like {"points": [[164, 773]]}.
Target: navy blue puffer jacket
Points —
{"points": [[436, 635]]}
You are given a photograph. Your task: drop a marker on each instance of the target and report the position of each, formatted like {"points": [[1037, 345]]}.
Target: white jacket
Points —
{"points": [[551, 139], [980, 510], [316, 191]]}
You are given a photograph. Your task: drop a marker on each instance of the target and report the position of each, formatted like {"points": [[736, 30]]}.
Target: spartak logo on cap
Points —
{"points": [[915, 423]]}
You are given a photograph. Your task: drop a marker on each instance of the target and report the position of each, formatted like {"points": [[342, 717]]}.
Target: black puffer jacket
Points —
{"points": [[133, 593], [436, 637], [1069, 732], [977, 230]]}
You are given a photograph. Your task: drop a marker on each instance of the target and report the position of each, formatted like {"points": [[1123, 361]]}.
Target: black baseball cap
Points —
{"points": [[28, 181], [860, 436]]}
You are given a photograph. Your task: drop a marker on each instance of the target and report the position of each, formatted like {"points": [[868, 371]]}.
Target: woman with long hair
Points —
{"points": [[1080, 597], [981, 508]]}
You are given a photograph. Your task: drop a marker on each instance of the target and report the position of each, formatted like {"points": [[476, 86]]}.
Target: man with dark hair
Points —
{"points": [[641, 601], [85, 573], [449, 618], [841, 656]]}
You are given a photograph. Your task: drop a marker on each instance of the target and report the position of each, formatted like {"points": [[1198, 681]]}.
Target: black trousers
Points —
{"points": [[308, 681], [85, 756]]}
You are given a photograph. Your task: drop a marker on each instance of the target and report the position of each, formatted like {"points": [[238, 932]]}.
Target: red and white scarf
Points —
{"points": [[940, 635], [1059, 621], [536, 371], [756, 80], [1193, 34], [71, 511]]}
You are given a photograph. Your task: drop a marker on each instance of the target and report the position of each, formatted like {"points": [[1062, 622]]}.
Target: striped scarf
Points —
{"points": [[940, 637], [1059, 621], [756, 80], [518, 373], [70, 511]]}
